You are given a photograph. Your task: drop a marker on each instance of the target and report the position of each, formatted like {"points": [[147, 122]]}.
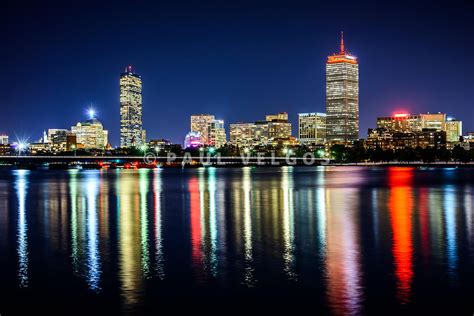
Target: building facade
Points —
{"points": [[453, 130], [60, 140], [192, 140], [242, 134], [385, 139], [312, 128], [216, 134], [274, 129], [278, 125], [407, 123], [342, 97], [282, 116], [90, 134], [131, 129], [4, 139], [261, 137], [200, 124]]}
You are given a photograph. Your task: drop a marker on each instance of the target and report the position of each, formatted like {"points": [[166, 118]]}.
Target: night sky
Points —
{"points": [[238, 60]]}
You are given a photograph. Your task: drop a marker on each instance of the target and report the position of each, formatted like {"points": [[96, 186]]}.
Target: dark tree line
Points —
{"points": [[359, 153]]}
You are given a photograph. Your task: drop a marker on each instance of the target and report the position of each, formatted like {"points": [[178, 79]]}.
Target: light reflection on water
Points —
{"points": [[22, 241], [312, 230]]}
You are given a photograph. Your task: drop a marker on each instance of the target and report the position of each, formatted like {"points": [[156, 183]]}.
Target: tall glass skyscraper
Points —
{"points": [[342, 97], [131, 131]]}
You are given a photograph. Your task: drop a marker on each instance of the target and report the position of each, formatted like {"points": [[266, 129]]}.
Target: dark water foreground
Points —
{"points": [[331, 240]]}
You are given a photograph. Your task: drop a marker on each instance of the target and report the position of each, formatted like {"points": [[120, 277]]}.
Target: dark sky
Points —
{"points": [[236, 59]]}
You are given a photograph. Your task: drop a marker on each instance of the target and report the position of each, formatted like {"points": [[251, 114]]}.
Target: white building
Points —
{"points": [[91, 134], [4, 139], [312, 128]]}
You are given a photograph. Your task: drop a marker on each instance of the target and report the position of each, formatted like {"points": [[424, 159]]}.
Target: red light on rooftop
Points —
{"points": [[400, 115]]}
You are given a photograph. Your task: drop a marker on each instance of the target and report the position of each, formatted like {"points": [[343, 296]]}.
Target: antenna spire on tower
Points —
{"points": [[343, 50]]}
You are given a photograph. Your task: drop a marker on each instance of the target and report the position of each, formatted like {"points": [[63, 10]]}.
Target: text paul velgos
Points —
{"points": [[308, 159]]}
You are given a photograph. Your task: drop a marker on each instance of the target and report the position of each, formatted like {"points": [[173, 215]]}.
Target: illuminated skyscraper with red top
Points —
{"points": [[342, 97]]}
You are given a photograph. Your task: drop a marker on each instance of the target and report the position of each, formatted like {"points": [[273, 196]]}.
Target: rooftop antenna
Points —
{"points": [[343, 50]]}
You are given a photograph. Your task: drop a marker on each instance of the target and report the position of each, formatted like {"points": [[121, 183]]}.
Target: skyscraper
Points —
{"points": [[342, 97], [131, 131], [200, 123]]}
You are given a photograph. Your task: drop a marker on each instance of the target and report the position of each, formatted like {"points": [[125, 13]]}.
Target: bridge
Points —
{"points": [[152, 160]]}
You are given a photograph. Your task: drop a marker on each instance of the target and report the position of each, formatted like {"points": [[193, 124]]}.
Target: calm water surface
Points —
{"points": [[337, 240]]}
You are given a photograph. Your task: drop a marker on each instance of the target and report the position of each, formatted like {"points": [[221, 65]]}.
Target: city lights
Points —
{"points": [[272, 134]]}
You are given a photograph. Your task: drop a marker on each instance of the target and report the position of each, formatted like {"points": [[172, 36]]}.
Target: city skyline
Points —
{"points": [[235, 86]]}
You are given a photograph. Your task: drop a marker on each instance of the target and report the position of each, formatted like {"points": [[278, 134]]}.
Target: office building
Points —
{"points": [[60, 140], [200, 124], [159, 143], [282, 116], [385, 139], [274, 129], [242, 134], [131, 130], [407, 123], [453, 130], [312, 128], [342, 97], [216, 134], [278, 125], [4, 139], [90, 134], [261, 136]]}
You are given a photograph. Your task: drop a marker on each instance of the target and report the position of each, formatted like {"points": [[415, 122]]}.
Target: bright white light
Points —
{"points": [[91, 113], [22, 145]]}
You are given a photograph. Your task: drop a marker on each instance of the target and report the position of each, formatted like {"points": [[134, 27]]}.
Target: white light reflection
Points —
{"points": [[74, 224], [93, 274], [213, 220], [159, 256], [22, 241], [145, 255], [321, 210], [249, 278], [450, 220], [468, 209], [288, 223]]}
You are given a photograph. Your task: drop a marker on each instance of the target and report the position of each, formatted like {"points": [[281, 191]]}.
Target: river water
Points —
{"points": [[337, 240]]}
